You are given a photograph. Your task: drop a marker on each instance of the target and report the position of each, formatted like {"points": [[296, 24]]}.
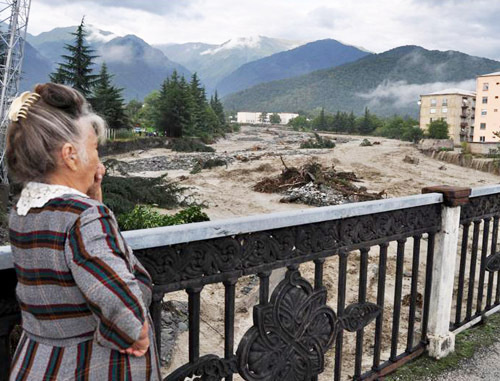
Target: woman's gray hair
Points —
{"points": [[60, 116]]}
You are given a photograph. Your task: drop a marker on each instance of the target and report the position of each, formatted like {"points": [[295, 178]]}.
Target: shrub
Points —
{"points": [[144, 217], [121, 194], [438, 129], [188, 145], [317, 142], [366, 143]]}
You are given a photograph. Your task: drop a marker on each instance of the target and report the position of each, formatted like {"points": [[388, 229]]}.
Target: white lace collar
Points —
{"points": [[36, 195]]}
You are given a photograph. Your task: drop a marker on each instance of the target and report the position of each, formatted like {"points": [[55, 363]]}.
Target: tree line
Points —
{"points": [[395, 127], [179, 108]]}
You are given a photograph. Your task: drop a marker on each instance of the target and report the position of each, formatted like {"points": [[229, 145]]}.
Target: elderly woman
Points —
{"points": [[83, 295]]}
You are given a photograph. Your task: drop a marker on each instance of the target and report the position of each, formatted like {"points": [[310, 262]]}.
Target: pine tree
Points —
{"points": [[174, 106], [108, 101], [216, 105], [76, 71], [198, 105]]}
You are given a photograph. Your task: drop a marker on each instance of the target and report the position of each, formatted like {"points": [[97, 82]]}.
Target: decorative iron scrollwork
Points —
{"points": [[480, 207], [196, 260], [357, 316], [208, 368], [292, 333], [493, 263]]}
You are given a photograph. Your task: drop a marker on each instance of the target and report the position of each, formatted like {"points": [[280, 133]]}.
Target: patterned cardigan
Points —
{"points": [[77, 278]]}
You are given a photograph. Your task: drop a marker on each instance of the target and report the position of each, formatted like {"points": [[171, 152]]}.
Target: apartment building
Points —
{"points": [[256, 117], [456, 107], [488, 106]]}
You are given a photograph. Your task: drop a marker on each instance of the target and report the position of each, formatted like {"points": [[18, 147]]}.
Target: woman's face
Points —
{"points": [[88, 168]]}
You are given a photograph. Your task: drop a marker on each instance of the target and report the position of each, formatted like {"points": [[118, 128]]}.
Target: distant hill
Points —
{"points": [[36, 68], [302, 60], [137, 67], [387, 83], [214, 62], [51, 44]]}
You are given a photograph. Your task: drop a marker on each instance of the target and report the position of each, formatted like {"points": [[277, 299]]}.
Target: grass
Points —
{"points": [[467, 344]]}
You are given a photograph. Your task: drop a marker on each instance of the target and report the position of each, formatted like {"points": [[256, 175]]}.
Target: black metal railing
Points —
{"points": [[291, 343], [368, 318], [477, 288]]}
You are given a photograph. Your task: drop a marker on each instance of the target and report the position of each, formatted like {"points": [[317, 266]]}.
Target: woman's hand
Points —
{"points": [[95, 191], [140, 347]]}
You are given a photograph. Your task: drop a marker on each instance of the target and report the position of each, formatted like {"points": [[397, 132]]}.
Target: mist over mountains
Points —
{"points": [[214, 62], [265, 74], [387, 83]]}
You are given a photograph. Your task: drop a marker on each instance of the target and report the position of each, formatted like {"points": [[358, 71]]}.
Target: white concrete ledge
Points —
{"points": [[485, 191], [169, 235]]}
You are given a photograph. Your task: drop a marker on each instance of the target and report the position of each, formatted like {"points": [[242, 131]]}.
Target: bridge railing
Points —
{"points": [[350, 290]]}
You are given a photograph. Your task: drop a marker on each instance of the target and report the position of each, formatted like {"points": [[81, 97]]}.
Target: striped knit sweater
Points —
{"points": [[78, 283]]}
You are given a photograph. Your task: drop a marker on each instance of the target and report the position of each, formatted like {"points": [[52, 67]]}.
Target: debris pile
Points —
{"points": [[317, 142], [313, 184]]}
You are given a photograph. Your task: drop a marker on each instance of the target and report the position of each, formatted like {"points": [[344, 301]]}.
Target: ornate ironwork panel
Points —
{"points": [[231, 256], [292, 333], [480, 207], [493, 263], [208, 368]]}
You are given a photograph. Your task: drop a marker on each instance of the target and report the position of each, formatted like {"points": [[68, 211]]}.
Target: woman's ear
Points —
{"points": [[69, 156]]}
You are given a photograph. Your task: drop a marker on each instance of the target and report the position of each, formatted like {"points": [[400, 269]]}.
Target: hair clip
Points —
{"points": [[20, 106]]}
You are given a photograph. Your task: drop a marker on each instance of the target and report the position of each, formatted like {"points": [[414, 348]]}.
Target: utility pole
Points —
{"points": [[13, 26]]}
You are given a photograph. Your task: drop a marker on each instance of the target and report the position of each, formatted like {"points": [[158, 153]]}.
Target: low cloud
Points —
{"points": [[155, 7], [400, 93]]}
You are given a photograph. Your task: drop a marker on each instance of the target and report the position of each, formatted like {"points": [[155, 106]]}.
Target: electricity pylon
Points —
{"points": [[13, 26]]}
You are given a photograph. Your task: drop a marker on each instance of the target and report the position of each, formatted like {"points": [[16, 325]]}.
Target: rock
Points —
{"points": [[442, 168], [411, 160], [174, 318]]}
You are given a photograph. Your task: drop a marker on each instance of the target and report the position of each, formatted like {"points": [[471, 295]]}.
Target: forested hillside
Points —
{"points": [[387, 83]]}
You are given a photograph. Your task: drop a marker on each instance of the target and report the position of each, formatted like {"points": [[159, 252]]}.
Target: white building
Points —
{"points": [[255, 117]]}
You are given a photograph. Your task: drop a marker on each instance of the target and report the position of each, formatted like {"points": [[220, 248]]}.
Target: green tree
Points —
{"points": [[368, 123], [133, 110], [76, 71], [438, 129], [275, 118], [299, 123], [216, 105], [263, 117], [148, 115], [108, 102], [174, 106], [320, 123]]}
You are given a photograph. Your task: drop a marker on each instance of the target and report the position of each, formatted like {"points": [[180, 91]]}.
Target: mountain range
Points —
{"points": [[266, 74], [386, 83], [214, 62], [304, 59]]}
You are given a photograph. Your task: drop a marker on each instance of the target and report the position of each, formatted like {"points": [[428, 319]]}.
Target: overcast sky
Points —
{"points": [[470, 26]]}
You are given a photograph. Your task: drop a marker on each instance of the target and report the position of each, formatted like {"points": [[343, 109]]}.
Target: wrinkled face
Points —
{"points": [[88, 168]]}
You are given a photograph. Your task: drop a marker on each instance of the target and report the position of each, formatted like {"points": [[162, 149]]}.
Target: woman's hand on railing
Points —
{"points": [[140, 347]]}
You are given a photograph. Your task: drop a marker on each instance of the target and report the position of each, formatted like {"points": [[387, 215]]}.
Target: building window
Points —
{"points": [[485, 100], [445, 102], [433, 110], [444, 110], [433, 102], [495, 110], [482, 139], [484, 112], [482, 126], [485, 86]]}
